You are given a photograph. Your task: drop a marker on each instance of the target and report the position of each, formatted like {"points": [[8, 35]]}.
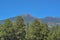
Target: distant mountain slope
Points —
{"points": [[51, 21]]}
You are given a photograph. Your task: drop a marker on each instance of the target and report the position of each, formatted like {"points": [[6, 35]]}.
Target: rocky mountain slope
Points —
{"points": [[51, 21]]}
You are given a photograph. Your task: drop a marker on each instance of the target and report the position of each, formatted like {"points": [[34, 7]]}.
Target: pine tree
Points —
{"points": [[7, 29], [37, 31], [20, 30]]}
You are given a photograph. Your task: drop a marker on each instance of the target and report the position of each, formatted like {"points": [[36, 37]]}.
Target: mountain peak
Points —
{"points": [[27, 14], [28, 18]]}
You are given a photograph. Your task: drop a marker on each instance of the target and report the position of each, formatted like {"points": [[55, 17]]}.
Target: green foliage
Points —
{"points": [[18, 30], [6, 30], [37, 31], [54, 33]]}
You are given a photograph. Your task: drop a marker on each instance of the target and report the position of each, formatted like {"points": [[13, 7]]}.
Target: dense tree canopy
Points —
{"points": [[35, 30]]}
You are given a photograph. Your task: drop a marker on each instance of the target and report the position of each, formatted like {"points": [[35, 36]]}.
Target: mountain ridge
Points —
{"points": [[51, 21]]}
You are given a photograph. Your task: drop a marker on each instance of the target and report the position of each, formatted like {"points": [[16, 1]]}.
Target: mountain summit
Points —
{"points": [[51, 21]]}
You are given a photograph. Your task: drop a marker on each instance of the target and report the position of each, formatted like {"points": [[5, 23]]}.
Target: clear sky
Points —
{"points": [[36, 8]]}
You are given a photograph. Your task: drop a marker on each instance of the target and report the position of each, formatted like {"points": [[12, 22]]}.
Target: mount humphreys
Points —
{"points": [[51, 21]]}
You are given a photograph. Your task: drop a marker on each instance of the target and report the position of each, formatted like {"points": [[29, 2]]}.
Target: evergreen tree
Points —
{"points": [[37, 31], [7, 29], [20, 30]]}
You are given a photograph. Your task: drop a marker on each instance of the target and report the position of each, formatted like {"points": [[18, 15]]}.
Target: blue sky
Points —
{"points": [[36, 8]]}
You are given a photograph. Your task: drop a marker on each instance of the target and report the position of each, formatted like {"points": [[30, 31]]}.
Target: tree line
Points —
{"points": [[18, 30]]}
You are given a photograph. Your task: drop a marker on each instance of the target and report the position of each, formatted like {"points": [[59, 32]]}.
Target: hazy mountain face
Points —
{"points": [[51, 21]]}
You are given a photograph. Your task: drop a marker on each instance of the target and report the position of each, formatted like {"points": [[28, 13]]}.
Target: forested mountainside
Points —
{"points": [[18, 30]]}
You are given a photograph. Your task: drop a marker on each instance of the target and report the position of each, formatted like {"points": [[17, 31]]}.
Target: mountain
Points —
{"points": [[51, 21]]}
